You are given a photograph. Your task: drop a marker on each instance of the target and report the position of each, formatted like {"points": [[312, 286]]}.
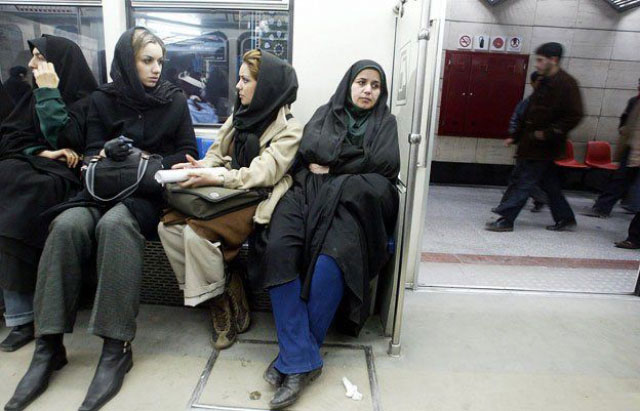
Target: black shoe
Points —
{"points": [[494, 210], [48, 357], [627, 245], [273, 376], [18, 338], [594, 212], [291, 388], [501, 225], [564, 225], [115, 362], [537, 207]]}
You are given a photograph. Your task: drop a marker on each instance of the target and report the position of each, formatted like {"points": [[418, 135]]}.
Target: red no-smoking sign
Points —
{"points": [[465, 41], [498, 42]]}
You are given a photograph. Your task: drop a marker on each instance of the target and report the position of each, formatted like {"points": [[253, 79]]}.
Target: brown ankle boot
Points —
{"points": [[224, 328], [239, 304]]}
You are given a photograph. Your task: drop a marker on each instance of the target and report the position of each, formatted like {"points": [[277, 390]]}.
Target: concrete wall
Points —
{"points": [[602, 50], [329, 36]]}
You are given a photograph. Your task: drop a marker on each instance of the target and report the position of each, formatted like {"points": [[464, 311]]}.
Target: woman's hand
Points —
{"points": [[65, 155], [201, 178], [192, 163], [318, 169], [46, 76]]}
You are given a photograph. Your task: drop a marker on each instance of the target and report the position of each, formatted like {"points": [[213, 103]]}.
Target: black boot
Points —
{"points": [[500, 225], [273, 376], [116, 360], [563, 225], [18, 338], [48, 357], [291, 388]]}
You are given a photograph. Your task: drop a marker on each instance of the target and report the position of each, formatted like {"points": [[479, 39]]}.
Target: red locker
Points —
{"points": [[480, 91]]}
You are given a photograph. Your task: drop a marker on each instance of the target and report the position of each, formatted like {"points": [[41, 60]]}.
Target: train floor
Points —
{"points": [[462, 350], [458, 252]]}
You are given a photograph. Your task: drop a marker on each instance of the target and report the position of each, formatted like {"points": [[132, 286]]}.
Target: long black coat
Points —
{"points": [[29, 185], [348, 214]]}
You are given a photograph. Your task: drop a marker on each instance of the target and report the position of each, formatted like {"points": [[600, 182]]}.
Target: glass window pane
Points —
{"points": [[20, 23], [205, 48]]}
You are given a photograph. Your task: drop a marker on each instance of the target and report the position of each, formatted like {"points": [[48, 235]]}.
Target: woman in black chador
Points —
{"points": [[39, 145], [329, 234], [153, 115]]}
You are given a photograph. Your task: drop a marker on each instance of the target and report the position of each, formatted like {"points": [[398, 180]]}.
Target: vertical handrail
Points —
{"points": [[414, 142]]}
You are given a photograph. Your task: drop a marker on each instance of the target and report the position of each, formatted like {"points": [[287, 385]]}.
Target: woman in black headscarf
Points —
{"points": [[39, 142], [153, 116], [328, 236], [255, 148]]}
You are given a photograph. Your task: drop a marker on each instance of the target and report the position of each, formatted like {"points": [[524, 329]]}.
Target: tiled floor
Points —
{"points": [[458, 252], [461, 351]]}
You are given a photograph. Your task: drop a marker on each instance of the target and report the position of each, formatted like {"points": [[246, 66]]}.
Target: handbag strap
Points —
{"points": [[90, 176]]}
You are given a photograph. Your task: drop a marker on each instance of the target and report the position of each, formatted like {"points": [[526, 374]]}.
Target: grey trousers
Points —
{"points": [[119, 247]]}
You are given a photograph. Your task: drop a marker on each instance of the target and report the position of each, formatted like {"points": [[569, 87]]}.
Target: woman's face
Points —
{"points": [[36, 59], [246, 85], [365, 89], [149, 64]]}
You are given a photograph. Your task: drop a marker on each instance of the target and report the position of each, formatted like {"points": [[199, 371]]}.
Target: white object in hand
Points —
{"points": [[181, 174], [351, 389]]}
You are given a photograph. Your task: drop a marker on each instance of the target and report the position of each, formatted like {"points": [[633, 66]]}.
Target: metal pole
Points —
{"points": [[414, 142]]}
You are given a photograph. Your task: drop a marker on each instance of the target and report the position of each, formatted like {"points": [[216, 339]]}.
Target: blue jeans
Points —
{"points": [[302, 325], [18, 308]]}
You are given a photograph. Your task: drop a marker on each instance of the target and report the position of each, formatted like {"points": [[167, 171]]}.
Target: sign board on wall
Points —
{"points": [[514, 44], [498, 43], [465, 41], [481, 42]]}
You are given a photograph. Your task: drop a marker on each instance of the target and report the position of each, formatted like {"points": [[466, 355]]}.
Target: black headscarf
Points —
{"points": [[277, 86], [325, 134], [21, 129], [126, 84]]}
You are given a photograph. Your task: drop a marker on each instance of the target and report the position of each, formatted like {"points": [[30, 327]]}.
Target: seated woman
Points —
{"points": [[39, 146], [256, 146], [154, 114], [328, 236]]}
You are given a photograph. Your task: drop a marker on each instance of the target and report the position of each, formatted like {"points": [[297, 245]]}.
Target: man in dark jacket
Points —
{"points": [[16, 84], [554, 109], [622, 179]]}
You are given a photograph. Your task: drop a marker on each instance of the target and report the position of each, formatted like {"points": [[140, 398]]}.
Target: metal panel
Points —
{"points": [[46, 3], [623, 5], [216, 4]]}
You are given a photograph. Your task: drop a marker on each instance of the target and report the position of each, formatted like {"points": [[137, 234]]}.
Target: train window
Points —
{"points": [[205, 48], [19, 23]]}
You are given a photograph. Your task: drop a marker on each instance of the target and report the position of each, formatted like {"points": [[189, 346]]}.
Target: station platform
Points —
{"points": [[477, 351], [458, 252]]}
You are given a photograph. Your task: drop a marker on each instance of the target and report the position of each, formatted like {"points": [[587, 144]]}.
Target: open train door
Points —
{"points": [[414, 94]]}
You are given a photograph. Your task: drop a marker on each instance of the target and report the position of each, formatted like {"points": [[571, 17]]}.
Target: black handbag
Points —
{"points": [[108, 180], [205, 203]]}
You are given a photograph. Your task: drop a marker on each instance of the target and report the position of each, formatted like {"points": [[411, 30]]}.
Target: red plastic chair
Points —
{"points": [[599, 155], [569, 161]]}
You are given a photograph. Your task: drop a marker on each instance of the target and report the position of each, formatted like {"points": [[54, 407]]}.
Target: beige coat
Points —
{"points": [[267, 170], [630, 137]]}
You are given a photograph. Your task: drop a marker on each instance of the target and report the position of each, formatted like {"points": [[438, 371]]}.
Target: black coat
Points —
{"points": [[555, 107], [29, 185], [165, 130], [348, 214]]}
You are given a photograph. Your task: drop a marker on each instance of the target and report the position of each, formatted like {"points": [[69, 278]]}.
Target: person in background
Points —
{"points": [[625, 180], [257, 145], [16, 84], [329, 234], [6, 103], [153, 114], [555, 107], [39, 146], [631, 135], [515, 125]]}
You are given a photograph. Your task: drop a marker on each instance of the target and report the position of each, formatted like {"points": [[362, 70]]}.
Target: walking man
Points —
{"points": [[555, 107]]}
